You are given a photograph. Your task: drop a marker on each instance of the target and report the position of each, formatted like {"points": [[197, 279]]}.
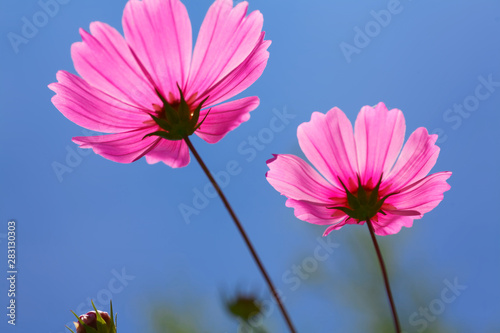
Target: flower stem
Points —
{"points": [[243, 234], [386, 279]]}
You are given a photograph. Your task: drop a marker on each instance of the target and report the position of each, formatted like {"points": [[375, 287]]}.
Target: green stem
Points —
{"points": [[386, 279], [243, 234]]}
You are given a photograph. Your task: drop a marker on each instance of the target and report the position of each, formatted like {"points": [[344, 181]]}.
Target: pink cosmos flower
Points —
{"points": [[365, 173], [151, 85]]}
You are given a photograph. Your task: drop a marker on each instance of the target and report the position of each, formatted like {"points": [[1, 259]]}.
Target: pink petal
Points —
{"points": [[172, 153], [337, 226], [239, 78], [225, 117], [384, 225], [123, 147], [104, 60], [296, 179], [328, 142], [159, 32], [308, 193], [379, 137], [422, 196], [401, 212], [90, 108], [315, 213], [226, 39], [417, 158]]}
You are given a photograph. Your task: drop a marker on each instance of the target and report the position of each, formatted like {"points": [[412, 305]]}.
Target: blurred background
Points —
{"points": [[89, 228]]}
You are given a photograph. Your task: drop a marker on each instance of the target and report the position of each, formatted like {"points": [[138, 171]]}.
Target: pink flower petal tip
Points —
{"points": [[361, 174]]}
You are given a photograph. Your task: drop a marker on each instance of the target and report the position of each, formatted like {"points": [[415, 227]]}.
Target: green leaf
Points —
{"points": [[111, 312], [361, 192], [88, 329], [374, 195], [161, 96], [165, 135], [184, 111], [196, 115], [170, 113], [346, 210], [102, 326], [201, 122], [163, 123]]}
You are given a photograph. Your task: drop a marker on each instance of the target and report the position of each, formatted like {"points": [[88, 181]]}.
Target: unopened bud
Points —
{"points": [[95, 322], [90, 319]]}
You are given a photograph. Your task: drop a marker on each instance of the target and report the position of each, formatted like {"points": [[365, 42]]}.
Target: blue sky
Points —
{"points": [[110, 229]]}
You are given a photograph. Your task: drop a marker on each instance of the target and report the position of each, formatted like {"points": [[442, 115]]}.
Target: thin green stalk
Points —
{"points": [[386, 279], [244, 235]]}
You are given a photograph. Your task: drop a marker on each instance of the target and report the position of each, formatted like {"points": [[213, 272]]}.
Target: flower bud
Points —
{"points": [[95, 322], [244, 307], [90, 319]]}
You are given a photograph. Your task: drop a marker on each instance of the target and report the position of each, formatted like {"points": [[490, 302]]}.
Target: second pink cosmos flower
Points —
{"points": [[365, 173], [127, 82]]}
